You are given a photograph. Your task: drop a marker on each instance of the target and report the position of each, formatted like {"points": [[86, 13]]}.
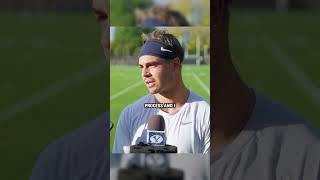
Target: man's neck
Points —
{"points": [[233, 103], [178, 95]]}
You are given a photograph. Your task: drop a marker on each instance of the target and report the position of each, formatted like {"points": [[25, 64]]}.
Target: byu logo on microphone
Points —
{"points": [[156, 138]]}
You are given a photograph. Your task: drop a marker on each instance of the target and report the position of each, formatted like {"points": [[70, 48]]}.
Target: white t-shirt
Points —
{"points": [[188, 128]]}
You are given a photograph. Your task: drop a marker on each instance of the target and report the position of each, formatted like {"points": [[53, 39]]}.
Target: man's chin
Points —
{"points": [[153, 91]]}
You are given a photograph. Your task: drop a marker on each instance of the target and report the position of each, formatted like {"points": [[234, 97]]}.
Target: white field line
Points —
{"points": [[294, 71], [52, 89], [204, 87], [124, 91], [191, 74]]}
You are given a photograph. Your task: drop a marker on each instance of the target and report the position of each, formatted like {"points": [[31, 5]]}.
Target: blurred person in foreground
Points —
{"points": [[187, 125], [82, 154], [254, 137], [159, 16], [165, 166]]}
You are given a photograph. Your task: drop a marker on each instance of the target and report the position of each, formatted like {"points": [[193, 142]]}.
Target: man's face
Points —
{"points": [[156, 74], [100, 8], [220, 29]]}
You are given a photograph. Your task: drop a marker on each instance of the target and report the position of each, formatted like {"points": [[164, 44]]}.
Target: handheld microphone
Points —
{"points": [[156, 131], [147, 167], [153, 161], [156, 139]]}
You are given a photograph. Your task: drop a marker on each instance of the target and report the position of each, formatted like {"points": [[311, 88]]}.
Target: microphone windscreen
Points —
{"points": [[156, 123]]}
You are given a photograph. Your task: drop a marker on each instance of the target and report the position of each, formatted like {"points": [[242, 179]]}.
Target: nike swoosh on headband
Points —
{"points": [[163, 49]]}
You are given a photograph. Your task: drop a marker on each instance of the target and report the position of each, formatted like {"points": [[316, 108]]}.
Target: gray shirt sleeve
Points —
{"points": [[122, 136], [80, 155]]}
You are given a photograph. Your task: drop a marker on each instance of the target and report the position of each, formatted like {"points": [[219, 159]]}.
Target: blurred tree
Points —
{"points": [[188, 37], [127, 41], [122, 11], [196, 12]]}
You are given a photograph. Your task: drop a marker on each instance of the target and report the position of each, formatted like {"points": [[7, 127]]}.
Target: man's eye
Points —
{"points": [[101, 18]]}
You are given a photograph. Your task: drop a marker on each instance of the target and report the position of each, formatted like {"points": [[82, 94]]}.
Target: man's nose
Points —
{"points": [[145, 72]]}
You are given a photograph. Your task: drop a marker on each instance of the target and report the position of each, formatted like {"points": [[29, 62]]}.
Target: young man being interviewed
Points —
{"points": [[187, 124]]}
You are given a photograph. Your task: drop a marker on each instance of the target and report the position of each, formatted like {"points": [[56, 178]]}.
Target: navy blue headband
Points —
{"points": [[157, 48], [152, 22]]}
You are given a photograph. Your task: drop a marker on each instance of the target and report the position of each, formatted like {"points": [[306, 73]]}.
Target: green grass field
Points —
{"points": [[53, 80], [277, 53], [126, 86]]}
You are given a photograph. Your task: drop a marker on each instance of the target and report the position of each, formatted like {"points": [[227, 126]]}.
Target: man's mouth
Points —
{"points": [[149, 83]]}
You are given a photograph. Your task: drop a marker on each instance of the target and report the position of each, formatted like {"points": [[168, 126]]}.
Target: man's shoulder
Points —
{"points": [[90, 133], [271, 113], [79, 150], [276, 141], [195, 99], [291, 138], [270, 117]]}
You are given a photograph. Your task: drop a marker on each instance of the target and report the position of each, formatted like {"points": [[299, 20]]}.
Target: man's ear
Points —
{"points": [[177, 62]]}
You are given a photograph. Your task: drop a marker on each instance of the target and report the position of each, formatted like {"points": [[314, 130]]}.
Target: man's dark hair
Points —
{"points": [[167, 39], [163, 14]]}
